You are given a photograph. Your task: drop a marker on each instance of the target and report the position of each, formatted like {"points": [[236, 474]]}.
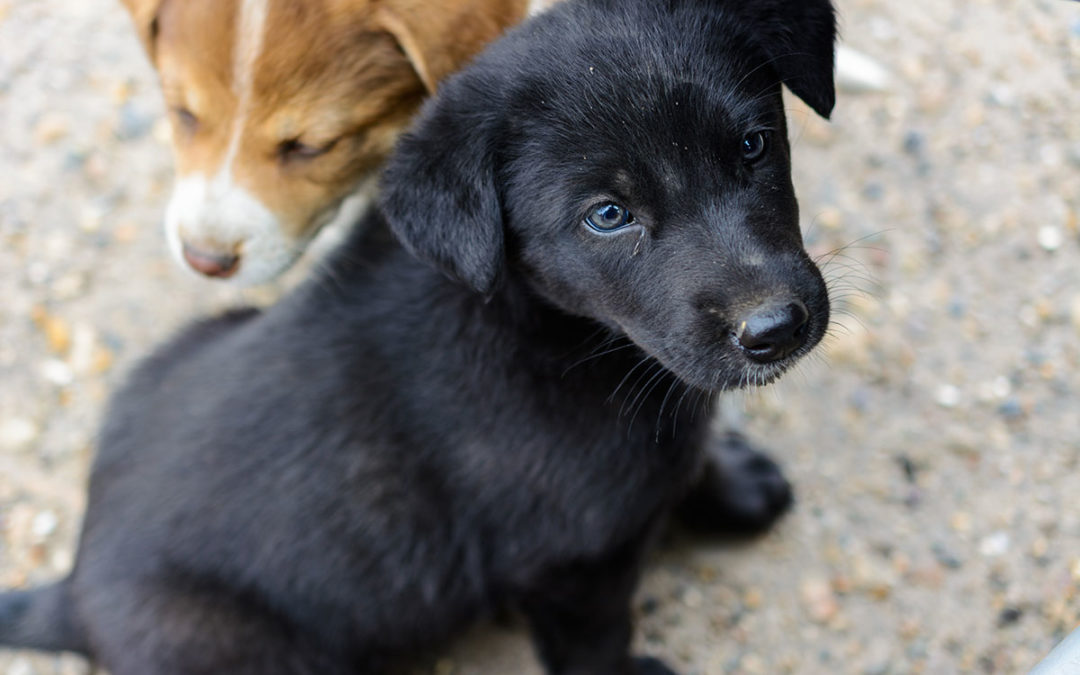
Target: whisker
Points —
{"points": [[599, 355], [640, 363]]}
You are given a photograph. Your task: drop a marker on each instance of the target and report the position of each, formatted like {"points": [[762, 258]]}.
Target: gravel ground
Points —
{"points": [[934, 443]]}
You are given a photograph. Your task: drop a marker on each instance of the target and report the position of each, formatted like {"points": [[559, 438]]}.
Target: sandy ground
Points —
{"points": [[935, 443]]}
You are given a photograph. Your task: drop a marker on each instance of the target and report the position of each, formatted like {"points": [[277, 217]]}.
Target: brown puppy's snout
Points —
{"points": [[212, 263], [772, 331]]}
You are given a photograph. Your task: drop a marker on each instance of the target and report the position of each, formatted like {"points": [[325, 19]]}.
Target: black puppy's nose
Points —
{"points": [[773, 331]]}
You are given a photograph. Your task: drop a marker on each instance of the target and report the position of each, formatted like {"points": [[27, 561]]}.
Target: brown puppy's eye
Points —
{"points": [[187, 119], [293, 150]]}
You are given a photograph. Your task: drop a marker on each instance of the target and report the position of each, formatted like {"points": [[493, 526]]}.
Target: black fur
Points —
{"points": [[387, 453]]}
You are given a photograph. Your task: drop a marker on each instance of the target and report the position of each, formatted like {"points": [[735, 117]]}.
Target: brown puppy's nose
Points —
{"points": [[211, 263], [773, 331]]}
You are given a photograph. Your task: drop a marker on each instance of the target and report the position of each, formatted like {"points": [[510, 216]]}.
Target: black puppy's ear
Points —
{"points": [[798, 37], [439, 194]]}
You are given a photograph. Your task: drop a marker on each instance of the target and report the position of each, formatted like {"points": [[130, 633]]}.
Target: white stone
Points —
{"points": [[994, 545], [57, 372], [947, 396], [17, 432], [44, 524], [858, 73], [1051, 237]]}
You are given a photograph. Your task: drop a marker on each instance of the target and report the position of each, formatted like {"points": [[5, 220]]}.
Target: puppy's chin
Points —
{"points": [[752, 374], [734, 372]]}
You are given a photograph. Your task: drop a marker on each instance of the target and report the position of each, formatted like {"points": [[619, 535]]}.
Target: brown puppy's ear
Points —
{"points": [[439, 192], [144, 13], [440, 37]]}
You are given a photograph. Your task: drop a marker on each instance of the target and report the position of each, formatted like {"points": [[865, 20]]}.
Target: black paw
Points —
{"points": [[647, 665], [740, 491]]}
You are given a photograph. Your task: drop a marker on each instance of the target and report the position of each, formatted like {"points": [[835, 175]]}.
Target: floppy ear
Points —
{"points": [[440, 37], [439, 193], [798, 37], [144, 13]]}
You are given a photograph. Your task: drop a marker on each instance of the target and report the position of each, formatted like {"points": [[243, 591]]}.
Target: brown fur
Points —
{"points": [[340, 75]]}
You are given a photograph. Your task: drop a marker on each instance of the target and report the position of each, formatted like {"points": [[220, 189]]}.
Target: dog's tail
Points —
{"points": [[40, 618]]}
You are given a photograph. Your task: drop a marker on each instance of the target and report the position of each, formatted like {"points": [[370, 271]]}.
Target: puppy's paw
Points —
{"points": [[740, 491], [647, 665]]}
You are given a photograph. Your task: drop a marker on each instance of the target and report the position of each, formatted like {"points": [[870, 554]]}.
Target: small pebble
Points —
{"points": [[947, 396], [69, 286], [858, 73], [57, 331], [1009, 616], [1001, 387], [913, 143], [753, 598], [44, 524], [995, 545], [944, 556], [90, 217], [1051, 238], [1002, 95], [1029, 316], [829, 218], [1011, 409], [911, 472], [51, 128], [16, 433], [649, 605], [819, 600], [57, 372]]}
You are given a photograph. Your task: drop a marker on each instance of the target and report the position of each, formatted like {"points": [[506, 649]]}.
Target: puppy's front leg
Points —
{"points": [[740, 490], [580, 618]]}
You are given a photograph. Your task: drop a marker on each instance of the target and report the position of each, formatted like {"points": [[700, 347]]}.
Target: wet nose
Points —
{"points": [[771, 332], [211, 262]]}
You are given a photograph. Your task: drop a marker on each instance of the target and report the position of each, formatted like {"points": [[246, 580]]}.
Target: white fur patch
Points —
{"points": [[250, 30], [537, 6], [219, 215], [343, 217]]}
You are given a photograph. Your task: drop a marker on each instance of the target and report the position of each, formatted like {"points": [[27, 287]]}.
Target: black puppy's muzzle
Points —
{"points": [[773, 330]]}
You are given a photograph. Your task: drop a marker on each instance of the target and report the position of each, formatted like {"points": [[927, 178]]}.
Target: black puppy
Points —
{"points": [[357, 472]]}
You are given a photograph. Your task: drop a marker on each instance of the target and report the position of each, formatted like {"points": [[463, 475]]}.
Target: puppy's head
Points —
{"points": [[630, 163], [280, 109]]}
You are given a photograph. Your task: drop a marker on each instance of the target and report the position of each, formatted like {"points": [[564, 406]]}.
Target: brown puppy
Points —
{"points": [[281, 110]]}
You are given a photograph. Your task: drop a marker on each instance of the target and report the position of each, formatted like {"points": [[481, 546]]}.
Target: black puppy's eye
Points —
{"points": [[754, 145], [293, 150], [609, 217]]}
